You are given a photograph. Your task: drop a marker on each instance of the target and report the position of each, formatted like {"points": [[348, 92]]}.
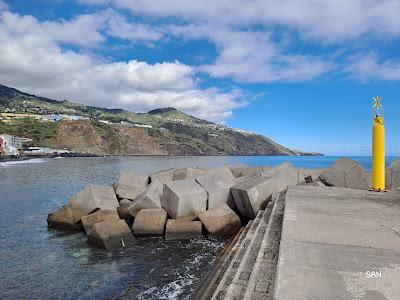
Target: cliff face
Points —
{"points": [[103, 139], [162, 131]]}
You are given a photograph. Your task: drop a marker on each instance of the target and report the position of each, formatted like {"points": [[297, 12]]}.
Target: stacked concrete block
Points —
{"points": [[94, 197], [218, 190], [238, 170], [346, 173], [163, 176], [149, 198], [65, 219], [182, 229], [123, 210], [184, 198], [150, 222], [129, 185], [96, 217], [111, 234], [189, 173], [221, 221]]}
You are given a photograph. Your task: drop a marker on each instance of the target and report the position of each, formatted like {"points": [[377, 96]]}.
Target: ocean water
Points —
{"points": [[41, 263]]}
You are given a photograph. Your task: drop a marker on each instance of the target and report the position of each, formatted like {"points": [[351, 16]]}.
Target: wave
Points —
{"points": [[19, 162]]}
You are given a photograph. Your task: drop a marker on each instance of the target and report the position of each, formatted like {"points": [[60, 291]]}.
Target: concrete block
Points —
{"points": [[218, 190], [181, 229], [150, 222], [221, 221], [94, 197], [129, 185], [221, 173], [111, 234], [150, 198], [285, 174], [184, 198], [255, 171], [163, 176], [65, 219], [346, 173], [237, 169], [252, 195], [123, 212], [96, 217], [304, 173], [189, 173]]}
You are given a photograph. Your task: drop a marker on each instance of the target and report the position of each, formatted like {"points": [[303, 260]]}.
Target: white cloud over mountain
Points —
{"points": [[253, 43]]}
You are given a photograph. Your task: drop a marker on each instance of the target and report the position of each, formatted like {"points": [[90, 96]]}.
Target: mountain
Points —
{"points": [[162, 131]]}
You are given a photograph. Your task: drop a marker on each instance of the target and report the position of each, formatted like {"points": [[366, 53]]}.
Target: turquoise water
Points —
{"points": [[38, 263]]}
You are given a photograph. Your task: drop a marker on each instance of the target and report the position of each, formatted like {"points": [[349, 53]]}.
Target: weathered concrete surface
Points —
{"points": [[163, 176], [393, 175], [346, 173], [182, 229], [223, 172], [238, 169], [123, 212], [189, 173], [331, 237], [65, 219], [150, 222], [252, 195], [94, 197], [96, 217], [239, 283], [184, 198], [150, 198], [129, 185], [304, 173], [221, 221], [218, 190], [111, 234]]}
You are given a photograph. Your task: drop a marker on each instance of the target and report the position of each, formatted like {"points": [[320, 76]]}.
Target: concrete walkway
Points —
{"points": [[339, 243]]}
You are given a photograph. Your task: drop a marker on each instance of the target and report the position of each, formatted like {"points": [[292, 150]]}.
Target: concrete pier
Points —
{"points": [[316, 243], [339, 243]]}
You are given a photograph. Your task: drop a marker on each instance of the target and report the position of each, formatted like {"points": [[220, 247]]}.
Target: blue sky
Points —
{"points": [[302, 73]]}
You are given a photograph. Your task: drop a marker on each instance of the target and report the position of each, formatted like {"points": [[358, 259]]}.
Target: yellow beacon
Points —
{"points": [[378, 147]]}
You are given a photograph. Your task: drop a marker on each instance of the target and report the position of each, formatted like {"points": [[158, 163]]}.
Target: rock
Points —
{"points": [[189, 173], [221, 221], [218, 190], [65, 219], [393, 175], [181, 229], [123, 212], [150, 198], [184, 198], [94, 197], [150, 222], [96, 217], [163, 176], [129, 185], [346, 173], [111, 234]]}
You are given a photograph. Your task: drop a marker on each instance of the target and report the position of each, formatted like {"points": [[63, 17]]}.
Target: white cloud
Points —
{"points": [[368, 66], [119, 27], [3, 5], [332, 20], [31, 60], [252, 56]]}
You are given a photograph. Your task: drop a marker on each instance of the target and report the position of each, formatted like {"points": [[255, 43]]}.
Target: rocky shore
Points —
{"points": [[185, 203]]}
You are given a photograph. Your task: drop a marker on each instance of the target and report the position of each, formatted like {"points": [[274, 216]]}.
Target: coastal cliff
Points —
{"points": [[101, 131]]}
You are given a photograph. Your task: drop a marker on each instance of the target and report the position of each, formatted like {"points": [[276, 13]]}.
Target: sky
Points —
{"points": [[301, 72]]}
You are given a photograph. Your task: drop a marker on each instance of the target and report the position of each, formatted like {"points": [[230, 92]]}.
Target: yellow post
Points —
{"points": [[378, 148]]}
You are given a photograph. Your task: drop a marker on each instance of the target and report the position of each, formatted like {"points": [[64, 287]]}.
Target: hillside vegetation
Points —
{"points": [[169, 132]]}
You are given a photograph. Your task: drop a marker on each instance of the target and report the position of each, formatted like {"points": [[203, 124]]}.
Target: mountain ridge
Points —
{"points": [[161, 131]]}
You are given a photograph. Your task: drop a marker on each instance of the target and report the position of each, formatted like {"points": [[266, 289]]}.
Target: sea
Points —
{"points": [[41, 263]]}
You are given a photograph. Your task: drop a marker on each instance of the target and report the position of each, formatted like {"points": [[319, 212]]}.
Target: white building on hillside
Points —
{"points": [[12, 144]]}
